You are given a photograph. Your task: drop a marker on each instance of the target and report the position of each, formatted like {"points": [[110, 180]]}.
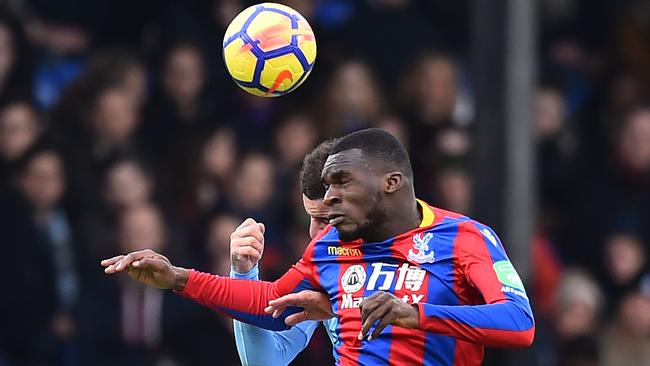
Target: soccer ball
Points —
{"points": [[269, 49]]}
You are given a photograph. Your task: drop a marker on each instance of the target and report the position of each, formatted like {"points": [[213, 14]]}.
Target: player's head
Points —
{"points": [[368, 175], [312, 188]]}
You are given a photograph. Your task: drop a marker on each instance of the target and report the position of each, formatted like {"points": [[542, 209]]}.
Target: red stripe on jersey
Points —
{"points": [[314, 279], [465, 353], [487, 281], [407, 345], [350, 317], [441, 215]]}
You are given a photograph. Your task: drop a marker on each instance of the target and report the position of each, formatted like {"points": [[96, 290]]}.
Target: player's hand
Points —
{"points": [[148, 267], [246, 245], [316, 304], [385, 308]]}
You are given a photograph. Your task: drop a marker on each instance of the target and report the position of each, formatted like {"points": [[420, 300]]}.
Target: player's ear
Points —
{"points": [[393, 181]]}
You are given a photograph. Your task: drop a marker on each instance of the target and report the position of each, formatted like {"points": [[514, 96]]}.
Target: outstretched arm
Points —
{"points": [[244, 300]]}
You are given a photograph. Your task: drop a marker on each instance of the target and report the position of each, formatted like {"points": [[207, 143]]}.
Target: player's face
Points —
{"points": [[353, 194], [317, 212]]}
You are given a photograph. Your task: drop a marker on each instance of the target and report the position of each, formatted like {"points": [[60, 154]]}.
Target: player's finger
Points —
{"points": [[262, 227], [248, 251], [247, 222], [368, 305], [150, 263], [109, 261], [296, 318], [110, 269], [130, 258], [248, 232], [252, 242], [383, 323], [275, 311], [278, 312], [371, 319], [287, 300]]}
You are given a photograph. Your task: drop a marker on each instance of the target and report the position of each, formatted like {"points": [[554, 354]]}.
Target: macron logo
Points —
{"points": [[349, 252]]}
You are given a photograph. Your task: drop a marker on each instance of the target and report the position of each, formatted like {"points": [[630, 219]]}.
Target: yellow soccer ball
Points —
{"points": [[269, 49]]}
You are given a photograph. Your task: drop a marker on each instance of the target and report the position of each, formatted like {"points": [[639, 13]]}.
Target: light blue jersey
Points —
{"points": [[261, 347]]}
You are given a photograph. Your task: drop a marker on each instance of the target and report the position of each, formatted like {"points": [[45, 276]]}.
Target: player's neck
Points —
{"points": [[404, 217]]}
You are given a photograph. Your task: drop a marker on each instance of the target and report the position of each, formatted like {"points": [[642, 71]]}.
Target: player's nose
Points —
{"points": [[331, 198]]}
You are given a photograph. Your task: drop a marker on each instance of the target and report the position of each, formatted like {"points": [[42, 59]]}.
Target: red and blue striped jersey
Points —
{"points": [[454, 269]]}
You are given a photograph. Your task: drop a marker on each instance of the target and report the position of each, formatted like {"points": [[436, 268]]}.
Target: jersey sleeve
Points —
{"points": [[245, 300], [506, 319], [262, 347]]}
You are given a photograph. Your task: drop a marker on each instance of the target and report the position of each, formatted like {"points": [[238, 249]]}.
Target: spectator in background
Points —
{"points": [[581, 351], [396, 126], [295, 137], [625, 261], [184, 82], [141, 326], [99, 112], [111, 68], [556, 149], [388, 31], [218, 243], [577, 306], [579, 303], [130, 325], [41, 181], [26, 336], [253, 196], [619, 185], [210, 178], [633, 145], [254, 184], [626, 340], [454, 190], [427, 98], [105, 134], [429, 92], [178, 119], [453, 143], [353, 99], [128, 184], [182, 107], [19, 129], [15, 78]]}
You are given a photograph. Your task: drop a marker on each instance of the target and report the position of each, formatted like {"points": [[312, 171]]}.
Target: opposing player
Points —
{"points": [[257, 346], [409, 283]]}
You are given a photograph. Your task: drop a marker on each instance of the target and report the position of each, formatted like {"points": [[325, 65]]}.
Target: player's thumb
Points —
{"points": [[262, 227]]}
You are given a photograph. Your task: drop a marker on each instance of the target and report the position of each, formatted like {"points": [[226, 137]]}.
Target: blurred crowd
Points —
{"points": [[120, 130]]}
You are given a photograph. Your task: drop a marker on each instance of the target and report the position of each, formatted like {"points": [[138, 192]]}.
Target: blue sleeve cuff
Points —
{"points": [[253, 274]]}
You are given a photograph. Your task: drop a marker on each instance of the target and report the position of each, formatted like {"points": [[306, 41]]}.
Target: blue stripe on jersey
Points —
{"points": [[329, 274], [265, 321], [439, 350], [377, 351]]}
